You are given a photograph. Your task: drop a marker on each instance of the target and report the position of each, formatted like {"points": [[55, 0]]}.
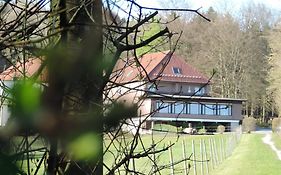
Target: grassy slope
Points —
{"points": [[144, 164], [251, 157]]}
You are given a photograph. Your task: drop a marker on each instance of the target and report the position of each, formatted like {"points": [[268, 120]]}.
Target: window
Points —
{"points": [[194, 108], [176, 70], [189, 89], [152, 88], [210, 109], [199, 90], [179, 108], [164, 107], [224, 109], [202, 109]]}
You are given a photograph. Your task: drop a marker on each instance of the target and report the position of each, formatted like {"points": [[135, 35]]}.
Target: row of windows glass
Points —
{"points": [[194, 108], [197, 90]]}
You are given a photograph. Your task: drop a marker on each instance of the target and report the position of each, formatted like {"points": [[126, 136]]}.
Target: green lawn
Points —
{"points": [[223, 143], [251, 157]]}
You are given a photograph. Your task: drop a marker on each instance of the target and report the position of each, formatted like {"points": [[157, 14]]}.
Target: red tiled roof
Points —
{"points": [[158, 66], [155, 66], [129, 70], [188, 73], [16, 71]]}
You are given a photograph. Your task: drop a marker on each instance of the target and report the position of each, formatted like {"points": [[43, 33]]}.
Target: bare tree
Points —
{"points": [[78, 44]]}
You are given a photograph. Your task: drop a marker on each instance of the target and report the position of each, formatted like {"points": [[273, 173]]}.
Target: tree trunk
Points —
{"points": [[81, 77]]}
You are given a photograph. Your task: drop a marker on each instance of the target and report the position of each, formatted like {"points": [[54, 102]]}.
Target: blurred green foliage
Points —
{"points": [[25, 103], [118, 112], [85, 147]]}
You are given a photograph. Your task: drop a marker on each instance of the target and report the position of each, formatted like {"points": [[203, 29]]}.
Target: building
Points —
{"points": [[168, 89], [165, 87], [10, 75]]}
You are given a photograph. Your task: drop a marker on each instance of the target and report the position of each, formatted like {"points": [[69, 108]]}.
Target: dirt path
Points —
{"points": [[267, 140]]}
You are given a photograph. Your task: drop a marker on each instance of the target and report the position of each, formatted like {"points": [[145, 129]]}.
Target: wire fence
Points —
{"points": [[190, 154]]}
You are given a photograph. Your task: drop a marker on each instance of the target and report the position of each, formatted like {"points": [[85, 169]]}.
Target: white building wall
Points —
{"points": [[129, 94], [4, 109]]}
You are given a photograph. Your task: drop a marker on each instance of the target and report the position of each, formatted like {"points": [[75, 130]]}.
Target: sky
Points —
{"points": [[217, 4]]}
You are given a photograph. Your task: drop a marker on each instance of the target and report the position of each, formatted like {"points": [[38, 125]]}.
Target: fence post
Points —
{"points": [[201, 157], [221, 151], [154, 159], [224, 147], [194, 158], [171, 160], [211, 153], [184, 157], [205, 155], [216, 151]]}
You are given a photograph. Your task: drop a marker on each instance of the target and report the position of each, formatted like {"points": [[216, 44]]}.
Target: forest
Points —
{"points": [[241, 49]]}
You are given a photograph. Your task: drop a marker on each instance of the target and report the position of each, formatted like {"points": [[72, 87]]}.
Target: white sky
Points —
{"points": [[217, 4]]}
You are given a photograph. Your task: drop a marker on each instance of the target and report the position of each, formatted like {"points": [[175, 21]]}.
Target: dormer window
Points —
{"points": [[176, 70]]}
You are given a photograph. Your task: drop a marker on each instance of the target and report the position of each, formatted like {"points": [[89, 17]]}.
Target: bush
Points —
{"points": [[249, 124], [220, 129], [167, 128], [276, 123], [202, 130]]}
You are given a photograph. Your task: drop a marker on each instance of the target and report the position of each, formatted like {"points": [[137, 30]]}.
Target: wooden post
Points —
{"points": [[224, 147], [194, 158], [205, 157], [184, 158], [216, 151], [201, 157], [171, 160], [154, 159], [221, 151], [211, 153]]}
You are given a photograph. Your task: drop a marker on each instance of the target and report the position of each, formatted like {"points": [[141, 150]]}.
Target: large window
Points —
{"points": [[224, 109], [210, 109], [194, 108], [164, 107], [179, 108]]}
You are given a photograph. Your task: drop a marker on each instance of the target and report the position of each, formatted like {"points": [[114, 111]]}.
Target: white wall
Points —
{"points": [[4, 110]]}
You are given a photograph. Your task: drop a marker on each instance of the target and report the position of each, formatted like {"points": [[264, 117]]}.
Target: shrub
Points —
{"points": [[276, 123], [203, 130], [167, 128], [221, 129], [249, 124]]}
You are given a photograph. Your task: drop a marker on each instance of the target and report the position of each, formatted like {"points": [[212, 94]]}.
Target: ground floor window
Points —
{"points": [[195, 108]]}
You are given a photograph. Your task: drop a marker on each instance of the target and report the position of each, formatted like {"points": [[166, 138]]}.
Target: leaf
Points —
{"points": [[85, 147]]}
